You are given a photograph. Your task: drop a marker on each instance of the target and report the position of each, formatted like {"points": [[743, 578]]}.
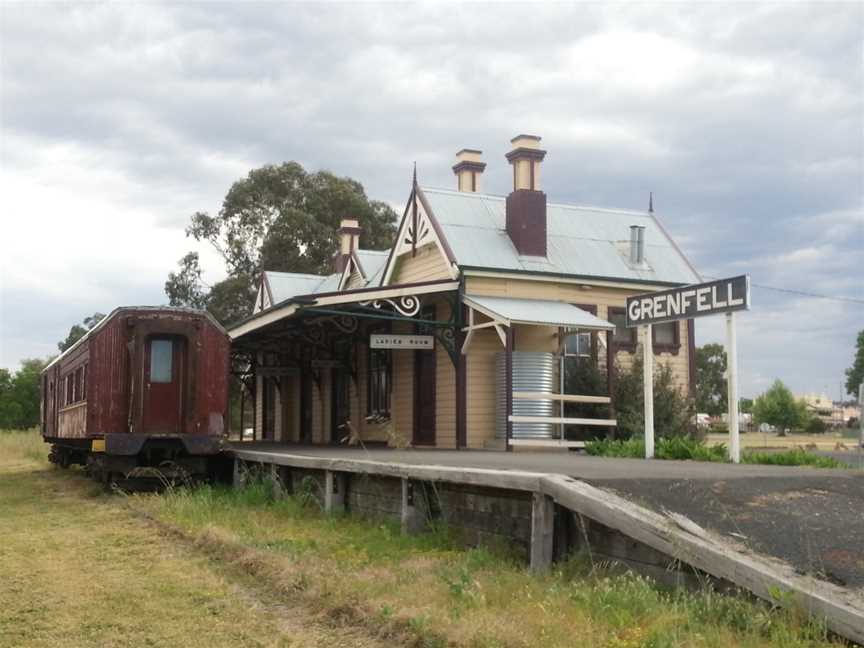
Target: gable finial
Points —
{"points": [[650, 202], [414, 213]]}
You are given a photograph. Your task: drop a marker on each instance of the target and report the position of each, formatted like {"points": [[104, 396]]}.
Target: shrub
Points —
{"points": [[674, 448], [673, 411], [628, 448], [815, 426], [586, 379], [688, 449]]}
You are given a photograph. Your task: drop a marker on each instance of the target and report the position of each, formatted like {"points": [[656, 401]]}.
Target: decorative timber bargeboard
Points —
{"points": [[327, 326]]}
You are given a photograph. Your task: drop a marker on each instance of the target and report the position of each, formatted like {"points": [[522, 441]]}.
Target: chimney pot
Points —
{"points": [[349, 240], [525, 157], [468, 169]]}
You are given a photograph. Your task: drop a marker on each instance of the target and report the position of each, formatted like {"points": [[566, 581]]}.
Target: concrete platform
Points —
{"points": [[811, 518]]}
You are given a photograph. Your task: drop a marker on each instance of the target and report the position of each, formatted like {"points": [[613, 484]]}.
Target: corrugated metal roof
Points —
{"points": [[330, 284], [583, 241], [373, 262], [284, 285], [538, 311], [121, 309]]}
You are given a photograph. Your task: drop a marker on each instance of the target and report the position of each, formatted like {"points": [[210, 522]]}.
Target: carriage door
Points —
{"points": [[164, 372]]}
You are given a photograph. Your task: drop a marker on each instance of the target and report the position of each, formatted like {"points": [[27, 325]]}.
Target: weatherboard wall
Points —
{"points": [[426, 265], [539, 338]]}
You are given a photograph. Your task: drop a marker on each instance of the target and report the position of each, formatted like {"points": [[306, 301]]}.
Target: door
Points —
{"points": [[305, 434], [268, 433], [340, 404], [164, 376], [424, 388]]}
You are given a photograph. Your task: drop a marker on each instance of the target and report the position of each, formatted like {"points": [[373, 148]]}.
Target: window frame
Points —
{"points": [[169, 358], [373, 372], [629, 347], [672, 348], [593, 355], [79, 384]]}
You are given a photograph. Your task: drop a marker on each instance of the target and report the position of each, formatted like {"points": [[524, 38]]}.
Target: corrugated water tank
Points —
{"points": [[532, 372]]}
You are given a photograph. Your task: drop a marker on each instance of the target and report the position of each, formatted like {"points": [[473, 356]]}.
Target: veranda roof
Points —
{"points": [[508, 310]]}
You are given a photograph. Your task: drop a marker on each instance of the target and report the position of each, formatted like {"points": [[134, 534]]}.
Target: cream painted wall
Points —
{"points": [[402, 399], [486, 343], [427, 265]]}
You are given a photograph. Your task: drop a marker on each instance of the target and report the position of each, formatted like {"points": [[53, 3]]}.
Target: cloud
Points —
{"points": [[118, 121]]}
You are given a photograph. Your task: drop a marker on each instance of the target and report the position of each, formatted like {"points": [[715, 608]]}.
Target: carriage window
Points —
{"points": [[79, 384], [161, 355]]}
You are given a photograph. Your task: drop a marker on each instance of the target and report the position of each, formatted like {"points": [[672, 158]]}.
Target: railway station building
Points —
{"points": [[461, 334]]}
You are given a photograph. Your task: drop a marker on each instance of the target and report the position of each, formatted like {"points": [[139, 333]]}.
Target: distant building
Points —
{"points": [[833, 413]]}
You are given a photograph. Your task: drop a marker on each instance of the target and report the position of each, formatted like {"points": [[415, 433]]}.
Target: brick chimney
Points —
{"points": [[468, 169], [526, 204], [349, 240]]}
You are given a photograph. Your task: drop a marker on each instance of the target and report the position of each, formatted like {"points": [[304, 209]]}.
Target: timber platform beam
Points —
{"points": [[671, 534], [335, 485], [542, 531]]}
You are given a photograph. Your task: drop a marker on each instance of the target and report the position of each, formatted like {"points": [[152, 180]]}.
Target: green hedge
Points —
{"points": [[679, 448], [682, 449], [796, 457]]}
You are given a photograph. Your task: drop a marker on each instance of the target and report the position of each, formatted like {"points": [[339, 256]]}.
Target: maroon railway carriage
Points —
{"points": [[147, 386]]}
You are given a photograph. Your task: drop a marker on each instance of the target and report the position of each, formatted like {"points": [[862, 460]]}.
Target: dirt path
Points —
{"points": [[77, 568]]}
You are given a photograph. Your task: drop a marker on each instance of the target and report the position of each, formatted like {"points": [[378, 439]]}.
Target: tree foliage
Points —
{"points": [[855, 373], [280, 218], [184, 287], [19, 395], [78, 330], [711, 390], [778, 407]]}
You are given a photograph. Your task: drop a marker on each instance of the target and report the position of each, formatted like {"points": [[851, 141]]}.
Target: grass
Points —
{"points": [[218, 566], [679, 448], [442, 596], [78, 568]]}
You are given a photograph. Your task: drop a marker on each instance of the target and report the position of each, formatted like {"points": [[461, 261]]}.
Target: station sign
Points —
{"points": [[686, 302], [397, 341]]}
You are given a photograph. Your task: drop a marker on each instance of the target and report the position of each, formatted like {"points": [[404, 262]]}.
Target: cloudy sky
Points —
{"points": [[745, 120]]}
